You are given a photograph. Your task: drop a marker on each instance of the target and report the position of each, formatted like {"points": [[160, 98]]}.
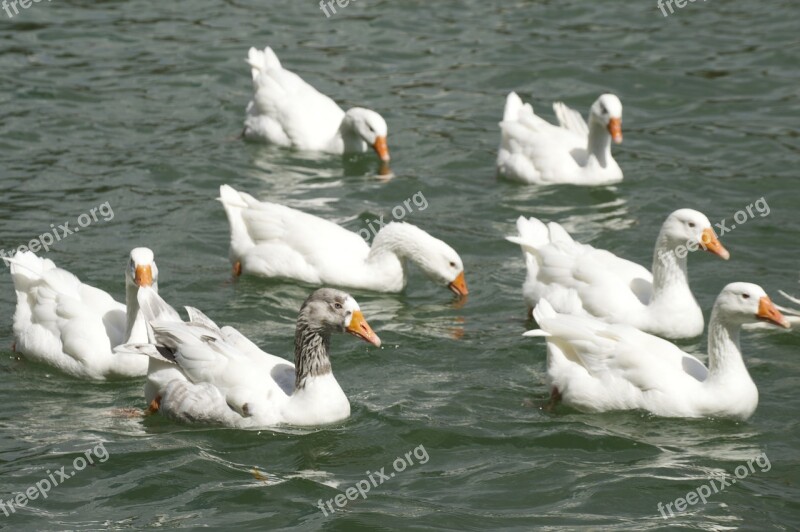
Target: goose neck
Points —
{"points": [[397, 239], [350, 137], [311, 357], [599, 144], [724, 352], [135, 327], [670, 275]]}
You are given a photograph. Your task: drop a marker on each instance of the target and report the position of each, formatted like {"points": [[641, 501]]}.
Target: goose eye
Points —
{"points": [[746, 296], [452, 264], [337, 306], [692, 224]]}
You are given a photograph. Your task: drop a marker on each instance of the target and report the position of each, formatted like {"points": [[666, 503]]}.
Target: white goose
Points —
{"points": [[534, 151], [271, 240], [221, 377], [287, 111], [581, 280], [597, 367], [72, 326]]}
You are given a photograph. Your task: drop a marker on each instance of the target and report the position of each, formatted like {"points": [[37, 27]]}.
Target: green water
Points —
{"points": [[139, 104]]}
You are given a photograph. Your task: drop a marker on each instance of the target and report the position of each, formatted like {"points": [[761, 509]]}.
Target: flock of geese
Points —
{"points": [[605, 320]]}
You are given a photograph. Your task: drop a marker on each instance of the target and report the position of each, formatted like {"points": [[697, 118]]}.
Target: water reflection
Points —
{"points": [[581, 211], [291, 172]]}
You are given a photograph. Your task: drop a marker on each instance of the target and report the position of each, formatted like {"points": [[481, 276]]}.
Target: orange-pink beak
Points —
{"points": [[143, 276], [381, 148], [615, 129], [711, 243], [459, 285], [360, 328], [768, 312]]}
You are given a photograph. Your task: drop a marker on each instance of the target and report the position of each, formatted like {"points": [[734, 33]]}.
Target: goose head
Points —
{"points": [[438, 261], [692, 229], [370, 127], [327, 311], [741, 303], [607, 111], [442, 265], [142, 270]]}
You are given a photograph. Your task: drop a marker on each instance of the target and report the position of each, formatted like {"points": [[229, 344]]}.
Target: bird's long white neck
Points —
{"points": [[135, 329], [599, 144], [670, 276], [349, 138], [400, 239], [724, 353], [403, 242]]}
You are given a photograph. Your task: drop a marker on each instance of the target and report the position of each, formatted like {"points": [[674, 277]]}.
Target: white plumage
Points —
{"points": [[201, 373], [573, 152], [582, 280], [272, 240], [596, 367], [287, 111], [74, 327]]}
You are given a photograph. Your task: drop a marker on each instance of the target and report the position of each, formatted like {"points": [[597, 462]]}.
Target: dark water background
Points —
{"points": [[138, 104]]}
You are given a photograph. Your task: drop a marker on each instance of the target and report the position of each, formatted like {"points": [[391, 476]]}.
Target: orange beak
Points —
{"points": [[359, 327], [143, 276], [615, 128], [768, 312], [459, 285], [710, 242], [381, 148]]}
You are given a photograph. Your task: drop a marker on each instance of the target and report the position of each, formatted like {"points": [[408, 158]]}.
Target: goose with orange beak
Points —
{"points": [[287, 111], [275, 241], [74, 327], [598, 367], [573, 152], [581, 280], [220, 377]]}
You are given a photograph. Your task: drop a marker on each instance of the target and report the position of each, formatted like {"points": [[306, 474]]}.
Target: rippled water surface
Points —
{"points": [[139, 104]]}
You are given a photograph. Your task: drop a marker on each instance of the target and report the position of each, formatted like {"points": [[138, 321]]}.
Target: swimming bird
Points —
{"points": [[73, 326], [582, 280], [287, 111], [597, 367], [573, 152], [271, 240], [219, 376]]}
